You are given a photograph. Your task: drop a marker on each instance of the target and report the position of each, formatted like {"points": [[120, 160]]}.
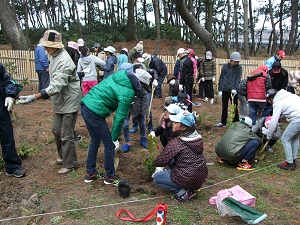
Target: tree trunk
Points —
{"points": [[191, 21], [157, 23], [280, 25], [227, 29], [293, 31], [130, 35], [246, 31], [273, 44], [209, 15], [252, 48], [236, 24], [11, 28]]}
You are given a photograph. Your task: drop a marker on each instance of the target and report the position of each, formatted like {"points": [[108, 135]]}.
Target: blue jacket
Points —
{"points": [[109, 67], [122, 58], [270, 61], [40, 58], [7, 87], [230, 77]]}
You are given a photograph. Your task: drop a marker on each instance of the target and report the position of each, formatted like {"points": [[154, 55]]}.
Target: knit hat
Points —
{"points": [[52, 39], [184, 117], [247, 120], [208, 55], [191, 51], [80, 42], [140, 46], [126, 66]]}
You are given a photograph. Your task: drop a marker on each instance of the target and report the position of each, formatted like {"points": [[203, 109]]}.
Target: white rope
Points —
{"points": [[133, 201]]}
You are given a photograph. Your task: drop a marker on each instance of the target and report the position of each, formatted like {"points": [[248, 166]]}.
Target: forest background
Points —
{"points": [[251, 27]]}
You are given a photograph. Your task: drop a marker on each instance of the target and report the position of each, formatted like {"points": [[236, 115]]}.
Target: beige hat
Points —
{"points": [[52, 39], [139, 46], [146, 56]]}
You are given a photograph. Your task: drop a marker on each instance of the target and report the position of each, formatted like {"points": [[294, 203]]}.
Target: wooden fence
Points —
{"points": [[23, 66]]}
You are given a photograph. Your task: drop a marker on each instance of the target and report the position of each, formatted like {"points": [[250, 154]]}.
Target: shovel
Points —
{"points": [[116, 162], [261, 154]]}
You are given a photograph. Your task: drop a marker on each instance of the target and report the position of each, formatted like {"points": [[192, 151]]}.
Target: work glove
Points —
{"points": [[202, 79], [172, 82], [220, 93], [26, 99], [264, 130], [152, 133], [213, 79], [117, 144], [233, 92], [155, 83], [157, 170], [9, 103], [180, 87]]}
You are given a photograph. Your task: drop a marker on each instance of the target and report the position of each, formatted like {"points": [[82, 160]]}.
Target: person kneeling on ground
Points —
{"points": [[239, 144], [184, 155]]}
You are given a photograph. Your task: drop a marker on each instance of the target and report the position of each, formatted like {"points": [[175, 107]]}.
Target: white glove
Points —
{"points": [[264, 130], [26, 99], [9, 103], [202, 79], [172, 82], [117, 144], [157, 170], [213, 79], [220, 93], [155, 83], [180, 87], [233, 92], [152, 133]]}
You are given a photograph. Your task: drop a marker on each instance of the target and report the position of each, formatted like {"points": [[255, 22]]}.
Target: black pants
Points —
{"points": [[226, 96], [9, 152], [209, 89]]}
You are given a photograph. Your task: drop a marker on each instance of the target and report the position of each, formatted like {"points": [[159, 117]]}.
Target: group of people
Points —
{"points": [[181, 165], [266, 94]]}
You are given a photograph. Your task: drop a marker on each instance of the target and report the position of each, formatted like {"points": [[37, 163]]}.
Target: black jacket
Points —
{"points": [[186, 71]]}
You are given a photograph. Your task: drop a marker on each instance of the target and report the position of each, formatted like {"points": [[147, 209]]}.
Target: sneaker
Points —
{"points": [[78, 138], [186, 196], [286, 166], [220, 125], [294, 161], [201, 99], [90, 178], [206, 99], [115, 180], [212, 101], [143, 142], [125, 148], [269, 148], [59, 161], [245, 166], [133, 130], [17, 173]]}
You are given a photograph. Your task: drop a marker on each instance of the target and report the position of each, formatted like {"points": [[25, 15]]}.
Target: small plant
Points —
{"points": [[153, 152], [73, 205], [231, 114], [24, 150], [56, 219]]}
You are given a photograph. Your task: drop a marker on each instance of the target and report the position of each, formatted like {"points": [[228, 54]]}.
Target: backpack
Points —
{"points": [[242, 89], [18, 87]]}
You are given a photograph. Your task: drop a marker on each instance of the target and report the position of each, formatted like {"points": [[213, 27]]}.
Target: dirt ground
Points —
{"points": [[44, 192]]}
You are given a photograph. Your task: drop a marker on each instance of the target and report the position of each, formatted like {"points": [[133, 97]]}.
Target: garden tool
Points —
{"points": [[150, 105]]}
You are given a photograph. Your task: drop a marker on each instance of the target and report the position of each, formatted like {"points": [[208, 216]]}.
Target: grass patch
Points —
{"points": [[73, 204], [56, 219], [83, 144]]}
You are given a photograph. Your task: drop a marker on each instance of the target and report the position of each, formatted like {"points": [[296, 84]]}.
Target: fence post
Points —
{"points": [[28, 68]]}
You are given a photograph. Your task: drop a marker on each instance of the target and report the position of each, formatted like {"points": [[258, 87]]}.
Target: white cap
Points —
{"points": [[110, 49], [80, 42], [146, 56], [247, 120], [173, 109], [143, 76], [181, 51]]}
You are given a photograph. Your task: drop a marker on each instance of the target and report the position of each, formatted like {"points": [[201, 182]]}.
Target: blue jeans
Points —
{"points": [[163, 180], [158, 91], [253, 108], [290, 141], [150, 124], [248, 151], [9, 152], [98, 131]]}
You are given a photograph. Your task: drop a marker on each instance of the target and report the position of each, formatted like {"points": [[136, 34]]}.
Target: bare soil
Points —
{"points": [[44, 192]]}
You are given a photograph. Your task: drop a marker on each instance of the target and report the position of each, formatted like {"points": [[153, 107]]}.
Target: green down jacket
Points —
{"points": [[236, 137], [114, 93]]}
